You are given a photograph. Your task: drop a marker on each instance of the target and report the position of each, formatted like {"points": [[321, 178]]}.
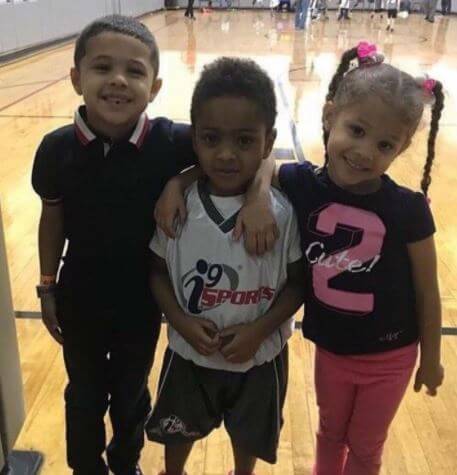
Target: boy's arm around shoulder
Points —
{"points": [[200, 333], [423, 260], [170, 210], [256, 220], [184, 172]]}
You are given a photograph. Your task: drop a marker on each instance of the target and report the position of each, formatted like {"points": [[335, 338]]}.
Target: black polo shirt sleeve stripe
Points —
{"points": [[45, 172]]}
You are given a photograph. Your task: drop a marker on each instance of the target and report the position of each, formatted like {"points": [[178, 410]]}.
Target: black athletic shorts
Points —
{"points": [[193, 400], [392, 13]]}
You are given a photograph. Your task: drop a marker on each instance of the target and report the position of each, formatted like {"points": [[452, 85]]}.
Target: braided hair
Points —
{"points": [[346, 59], [434, 126], [394, 87]]}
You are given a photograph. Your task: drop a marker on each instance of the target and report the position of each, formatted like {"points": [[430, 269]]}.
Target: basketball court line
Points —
{"points": [[445, 331], [31, 94], [25, 84], [23, 116], [293, 129]]}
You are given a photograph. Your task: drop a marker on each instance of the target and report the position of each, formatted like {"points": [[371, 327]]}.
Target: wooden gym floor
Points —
{"points": [[36, 97]]}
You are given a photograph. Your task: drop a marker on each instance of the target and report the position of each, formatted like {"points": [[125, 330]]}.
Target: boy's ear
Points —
{"points": [[76, 80], [328, 115], [155, 88], [270, 140]]}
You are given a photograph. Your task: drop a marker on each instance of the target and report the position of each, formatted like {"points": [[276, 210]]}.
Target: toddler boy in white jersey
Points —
{"points": [[229, 314]]}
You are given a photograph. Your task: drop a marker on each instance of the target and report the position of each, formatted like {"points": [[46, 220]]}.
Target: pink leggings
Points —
{"points": [[358, 397]]}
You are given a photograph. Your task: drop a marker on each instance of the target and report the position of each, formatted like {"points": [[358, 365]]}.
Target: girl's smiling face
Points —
{"points": [[364, 138]]}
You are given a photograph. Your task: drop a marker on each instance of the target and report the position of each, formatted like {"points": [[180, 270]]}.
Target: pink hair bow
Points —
{"points": [[366, 50], [429, 85], [368, 55]]}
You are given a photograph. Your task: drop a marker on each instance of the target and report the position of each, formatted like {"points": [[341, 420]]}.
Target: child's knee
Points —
{"points": [[87, 399], [366, 453], [331, 431]]}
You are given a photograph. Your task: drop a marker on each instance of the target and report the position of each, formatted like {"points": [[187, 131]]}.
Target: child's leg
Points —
{"points": [[335, 394], [375, 407], [187, 408], [253, 414], [86, 395], [176, 456], [86, 401], [244, 462], [131, 357]]}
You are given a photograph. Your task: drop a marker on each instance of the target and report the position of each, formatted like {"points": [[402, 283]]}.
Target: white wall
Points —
{"points": [[30, 23], [12, 411], [139, 7]]}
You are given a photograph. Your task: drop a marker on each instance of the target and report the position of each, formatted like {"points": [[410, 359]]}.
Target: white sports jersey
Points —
{"points": [[215, 278]]}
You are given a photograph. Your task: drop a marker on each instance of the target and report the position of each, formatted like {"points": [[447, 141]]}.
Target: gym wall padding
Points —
{"points": [[12, 413], [29, 24]]}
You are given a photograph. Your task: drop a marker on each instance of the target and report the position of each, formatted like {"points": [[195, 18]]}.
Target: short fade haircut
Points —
{"points": [[236, 77], [117, 24]]}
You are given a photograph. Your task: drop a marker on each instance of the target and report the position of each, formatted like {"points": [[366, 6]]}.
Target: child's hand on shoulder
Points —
{"points": [[239, 343], [202, 335], [170, 209], [257, 221], [431, 376]]}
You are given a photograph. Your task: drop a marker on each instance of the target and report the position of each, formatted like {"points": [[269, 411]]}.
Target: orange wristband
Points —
{"points": [[47, 280]]}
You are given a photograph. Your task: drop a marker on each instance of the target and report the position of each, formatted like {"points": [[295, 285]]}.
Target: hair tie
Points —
{"points": [[429, 86], [367, 54]]}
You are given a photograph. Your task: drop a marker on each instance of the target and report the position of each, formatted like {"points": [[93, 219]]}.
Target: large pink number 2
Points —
{"points": [[329, 220]]}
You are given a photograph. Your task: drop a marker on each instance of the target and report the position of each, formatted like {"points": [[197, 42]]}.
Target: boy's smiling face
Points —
{"points": [[117, 80]]}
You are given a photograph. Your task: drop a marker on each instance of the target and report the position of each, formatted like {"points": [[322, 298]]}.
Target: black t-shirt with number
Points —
{"points": [[359, 288]]}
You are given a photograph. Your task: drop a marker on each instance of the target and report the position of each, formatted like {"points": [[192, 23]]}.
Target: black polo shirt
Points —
{"points": [[109, 191]]}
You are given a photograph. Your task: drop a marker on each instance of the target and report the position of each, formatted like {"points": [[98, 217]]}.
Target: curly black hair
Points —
{"points": [[117, 24], [238, 78]]}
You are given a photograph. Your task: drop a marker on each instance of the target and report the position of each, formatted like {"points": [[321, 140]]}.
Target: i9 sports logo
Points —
{"points": [[210, 285]]}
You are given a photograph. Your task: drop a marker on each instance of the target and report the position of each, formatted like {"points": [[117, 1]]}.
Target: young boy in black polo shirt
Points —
{"points": [[99, 179]]}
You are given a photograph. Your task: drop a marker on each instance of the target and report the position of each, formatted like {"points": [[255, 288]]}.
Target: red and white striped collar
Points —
{"points": [[86, 136]]}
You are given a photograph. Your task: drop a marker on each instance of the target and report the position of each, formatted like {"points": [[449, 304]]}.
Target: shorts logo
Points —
{"points": [[174, 425], [204, 283]]}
